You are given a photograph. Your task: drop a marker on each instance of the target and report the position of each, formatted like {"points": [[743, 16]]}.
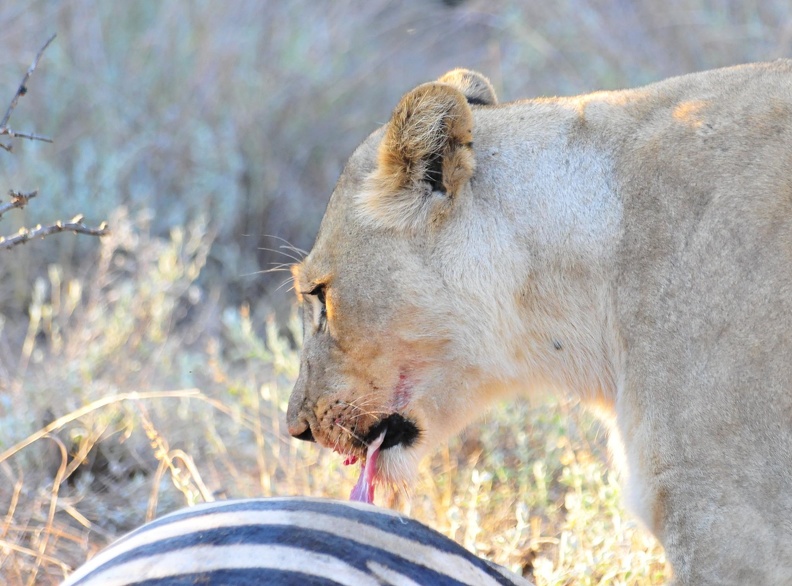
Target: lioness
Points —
{"points": [[631, 247]]}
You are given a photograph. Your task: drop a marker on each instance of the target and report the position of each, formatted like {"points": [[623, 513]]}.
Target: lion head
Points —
{"points": [[389, 342]]}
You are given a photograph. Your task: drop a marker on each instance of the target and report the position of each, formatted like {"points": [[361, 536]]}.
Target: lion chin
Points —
{"points": [[399, 468], [395, 467]]}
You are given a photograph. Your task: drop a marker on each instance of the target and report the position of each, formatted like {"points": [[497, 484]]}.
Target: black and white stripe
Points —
{"points": [[287, 541]]}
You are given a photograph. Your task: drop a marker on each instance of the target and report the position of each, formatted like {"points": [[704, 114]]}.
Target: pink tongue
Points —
{"points": [[364, 489]]}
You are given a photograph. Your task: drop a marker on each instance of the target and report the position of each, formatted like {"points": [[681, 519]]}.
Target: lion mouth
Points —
{"points": [[393, 430], [399, 431]]}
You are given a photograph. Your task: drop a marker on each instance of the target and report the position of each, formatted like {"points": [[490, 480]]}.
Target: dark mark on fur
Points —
{"points": [[400, 431]]}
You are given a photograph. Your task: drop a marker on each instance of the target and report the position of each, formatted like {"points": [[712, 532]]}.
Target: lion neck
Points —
{"points": [[552, 216]]}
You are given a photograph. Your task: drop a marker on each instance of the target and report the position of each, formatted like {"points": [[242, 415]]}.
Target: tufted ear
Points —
{"points": [[424, 159], [476, 88]]}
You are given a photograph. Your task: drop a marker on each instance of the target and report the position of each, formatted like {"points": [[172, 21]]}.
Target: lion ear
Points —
{"points": [[424, 159], [475, 87]]}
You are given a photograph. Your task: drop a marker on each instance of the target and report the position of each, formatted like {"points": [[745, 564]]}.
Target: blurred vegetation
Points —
{"points": [[245, 114], [205, 132]]}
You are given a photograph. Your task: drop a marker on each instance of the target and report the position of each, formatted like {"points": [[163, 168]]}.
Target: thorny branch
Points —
{"points": [[20, 199]]}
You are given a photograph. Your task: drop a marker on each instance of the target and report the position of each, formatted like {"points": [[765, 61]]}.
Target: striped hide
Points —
{"points": [[287, 541]]}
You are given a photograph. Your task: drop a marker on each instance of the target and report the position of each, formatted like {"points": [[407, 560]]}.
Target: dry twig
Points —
{"points": [[74, 225], [53, 506], [21, 91], [18, 200]]}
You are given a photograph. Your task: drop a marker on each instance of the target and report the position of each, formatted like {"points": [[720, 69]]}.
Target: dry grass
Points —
{"points": [[114, 452], [143, 374]]}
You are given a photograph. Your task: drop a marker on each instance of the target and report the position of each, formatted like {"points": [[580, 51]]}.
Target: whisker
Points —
{"points": [[374, 414], [287, 265], [278, 251], [353, 434], [355, 405], [371, 396], [363, 401], [363, 412], [281, 268], [289, 245], [289, 280]]}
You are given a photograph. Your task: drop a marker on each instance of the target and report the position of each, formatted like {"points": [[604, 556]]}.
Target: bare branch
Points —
{"points": [[22, 86], [28, 135], [18, 200], [75, 225]]}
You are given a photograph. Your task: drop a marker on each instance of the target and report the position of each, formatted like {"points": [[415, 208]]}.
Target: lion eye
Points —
{"points": [[319, 293]]}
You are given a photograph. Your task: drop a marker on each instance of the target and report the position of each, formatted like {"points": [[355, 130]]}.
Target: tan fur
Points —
{"points": [[633, 248], [432, 122]]}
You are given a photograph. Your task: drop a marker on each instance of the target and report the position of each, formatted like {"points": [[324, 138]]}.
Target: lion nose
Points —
{"points": [[295, 413], [301, 430]]}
